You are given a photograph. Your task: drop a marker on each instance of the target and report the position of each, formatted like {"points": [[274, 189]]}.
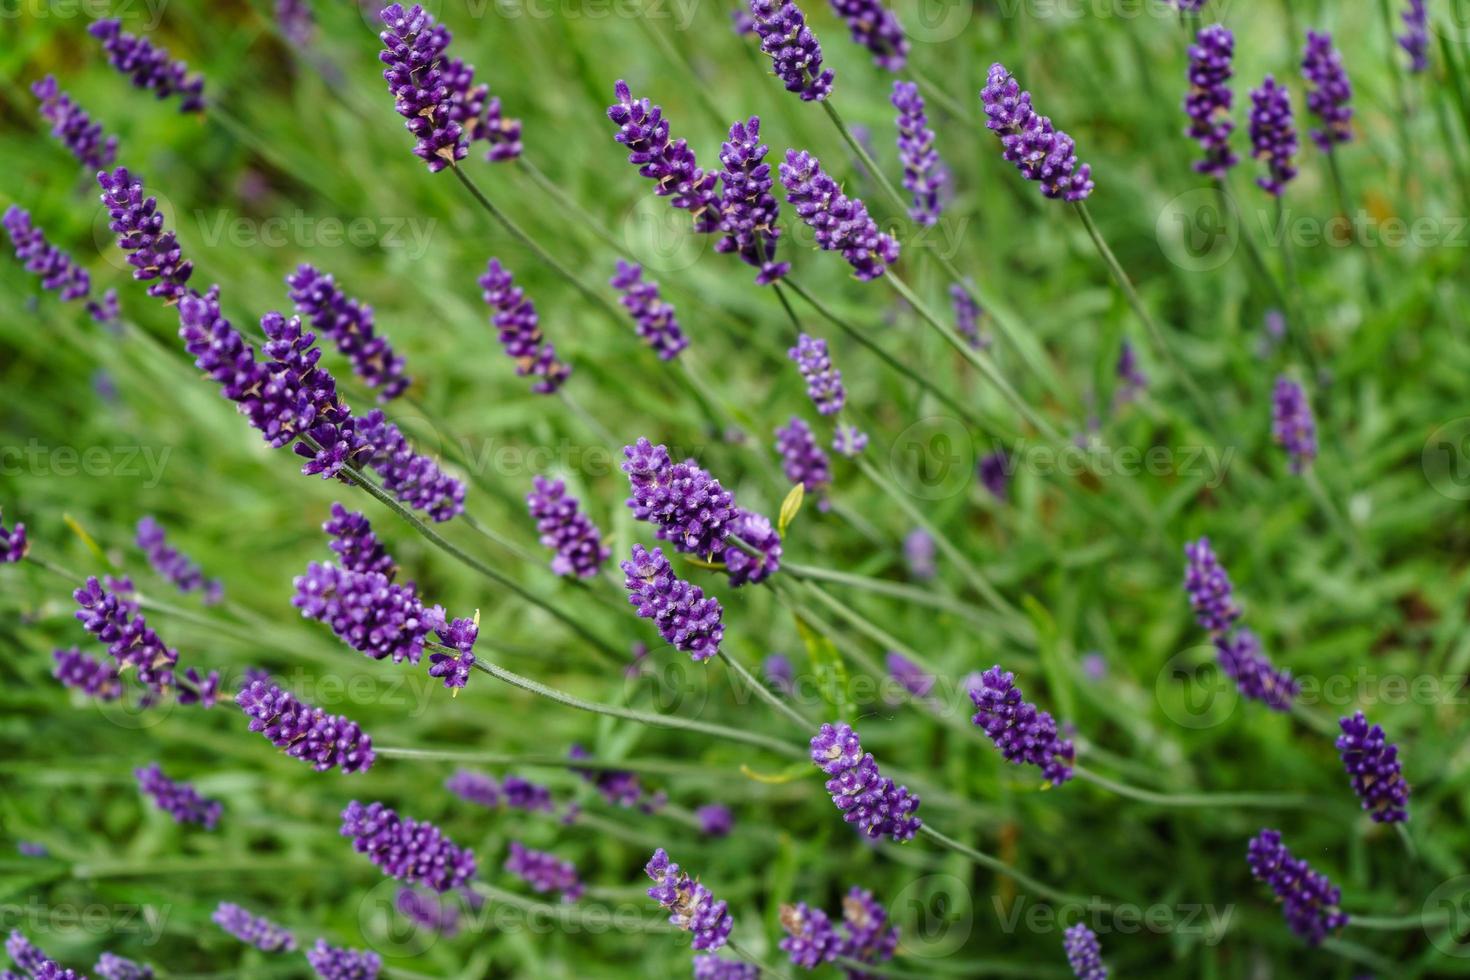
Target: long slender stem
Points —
{"points": [[895, 590], [652, 766], [1261, 800], [1397, 923], [1000, 867], [891, 192], [562, 912], [766, 694]]}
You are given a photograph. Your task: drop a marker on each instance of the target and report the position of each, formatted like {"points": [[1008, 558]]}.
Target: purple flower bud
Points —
{"points": [[823, 381], [358, 548], [748, 209], [669, 163], [459, 636], [1273, 135], [253, 930], [1243, 660], [685, 617], [544, 872], [756, 531], [1210, 594], [179, 800], [715, 820], [849, 441], [866, 798], [414, 46], [875, 28], [173, 565], [92, 677], [655, 319], [55, 268], [1209, 99], [923, 173], [841, 223], [919, 551], [333, 963], [519, 327], [349, 325], [692, 907], [13, 544], [115, 620], [1132, 381], [154, 252], [113, 967], [1373, 764], [1415, 39], [909, 675], [795, 54], [778, 672], [810, 939], [414, 852], [617, 786], [687, 506], [1023, 734], [710, 967], [1329, 92], [306, 733], [566, 530], [1292, 425], [413, 478], [967, 317], [869, 938], [73, 128], [1041, 152], [803, 461], [1308, 900], [148, 67], [1084, 954], [994, 470]]}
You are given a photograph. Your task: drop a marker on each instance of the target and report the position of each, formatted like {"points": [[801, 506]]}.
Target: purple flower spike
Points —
{"points": [[367, 611], [869, 938], [1023, 734], [803, 461], [1131, 379], [414, 46], [358, 548], [875, 28], [756, 531], [73, 128], [113, 967], [715, 820], [33, 961], [253, 930], [795, 54], [413, 478], [428, 911], [544, 872], [687, 506], [923, 173], [89, 675], [866, 798], [1041, 152], [306, 733], [13, 544], [810, 939], [414, 852], [748, 209], [1415, 39], [994, 470], [173, 565], [691, 906], [334, 963], [919, 552], [1308, 900], [1273, 135], [149, 68], [455, 667], [1210, 594], [1084, 954], [55, 268], [909, 674], [349, 324], [967, 317], [841, 223], [1245, 662], [1209, 99], [111, 616], [566, 530], [685, 617], [617, 786], [1330, 91], [823, 381], [519, 327], [179, 800], [295, 21], [849, 441], [1373, 763], [655, 319], [1292, 425], [669, 163], [154, 252], [711, 967]]}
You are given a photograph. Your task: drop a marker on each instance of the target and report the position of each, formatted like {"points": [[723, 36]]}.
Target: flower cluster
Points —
{"points": [[823, 381], [414, 46], [875, 28], [30, 959], [669, 163], [1023, 734], [93, 677], [335, 963], [154, 252], [413, 478], [715, 820], [358, 548], [849, 441], [1209, 100], [71, 125], [520, 794], [428, 910], [56, 269], [810, 939], [1211, 595], [967, 317], [173, 565], [711, 967], [842, 223], [919, 552], [566, 530], [412, 851], [1373, 763], [1308, 900], [656, 321], [544, 872], [110, 966], [349, 324], [253, 930], [519, 329], [803, 461], [909, 675], [149, 67], [1041, 152], [756, 555], [686, 618], [13, 543], [1273, 135], [692, 907], [795, 54], [1131, 379], [369, 612], [1084, 954], [1292, 425], [687, 506], [1245, 662], [865, 935], [304, 732], [179, 800], [865, 796], [748, 209], [994, 470], [923, 173], [113, 617], [454, 662], [1415, 39], [1330, 91]]}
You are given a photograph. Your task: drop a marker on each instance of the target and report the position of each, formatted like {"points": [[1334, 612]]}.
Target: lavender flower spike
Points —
{"points": [[1308, 900], [715, 820], [1330, 91], [173, 565], [803, 461], [33, 961], [795, 54], [823, 381], [367, 611], [866, 797], [687, 506], [1041, 152], [748, 210], [412, 477], [755, 531], [1021, 732], [685, 617], [154, 252], [13, 544], [335, 963], [692, 907], [306, 733], [566, 530], [349, 324], [868, 936], [113, 967], [358, 548], [253, 930], [849, 441], [91, 676], [1273, 135], [73, 128], [875, 28], [810, 938], [457, 657], [150, 68], [1292, 425], [1084, 955], [1209, 99], [967, 317], [414, 852], [1243, 661], [414, 46], [519, 327], [841, 223], [54, 267], [1211, 595], [1415, 39], [179, 800], [923, 173], [669, 163], [113, 617], [710, 967], [1373, 763], [544, 872], [655, 319]]}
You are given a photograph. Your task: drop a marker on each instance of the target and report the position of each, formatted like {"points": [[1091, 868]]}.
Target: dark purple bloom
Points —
{"points": [[1415, 39], [154, 252], [823, 381], [919, 554], [909, 675], [112, 617], [1292, 425], [179, 800], [748, 209], [1308, 900], [1210, 593], [1041, 152], [295, 21], [849, 441], [334, 963], [479, 115], [687, 506], [810, 939], [685, 617], [112, 967], [795, 54], [1329, 91], [358, 548], [1022, 733], [1084, 954], [715, 820], [566, 530], [692, 907], [459, 637], [520, 330], [54, 267], [655, 319], [306, 733], [875, 28], [967, 317], [1273, 135], [150, 68], [619, 787], [995, 474], [711, 967], [866, 798], [1373, 763], [756, 531], [1209, 99], [803, 461], [1243, 660], [923, 173], [669, 163], [13, 544], [173, 565], [1132, 381], [73, 128], [299, 398], [370, 613], [349, 324], [868, 936], [253, 930], [412, 851], [841, 223], [91, 676], [414, 46], [544, 872], [415, 479], [427, 910]]}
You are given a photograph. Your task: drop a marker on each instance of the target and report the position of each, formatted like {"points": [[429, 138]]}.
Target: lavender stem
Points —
{"points": [[654, 766], [1000, 867], [1262, 800], [764, 693], [894, 590]]}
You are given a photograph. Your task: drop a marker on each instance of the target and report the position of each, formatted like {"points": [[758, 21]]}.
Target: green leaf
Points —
{"points": [[790, 507]]}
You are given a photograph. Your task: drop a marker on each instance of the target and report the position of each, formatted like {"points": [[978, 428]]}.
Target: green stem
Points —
{"points": [[1000, 867], [567, 913], [879, 177], [766, 694], [752, 959], [1394, 924], [894, 590], [1261, 800], [653, 766]]}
